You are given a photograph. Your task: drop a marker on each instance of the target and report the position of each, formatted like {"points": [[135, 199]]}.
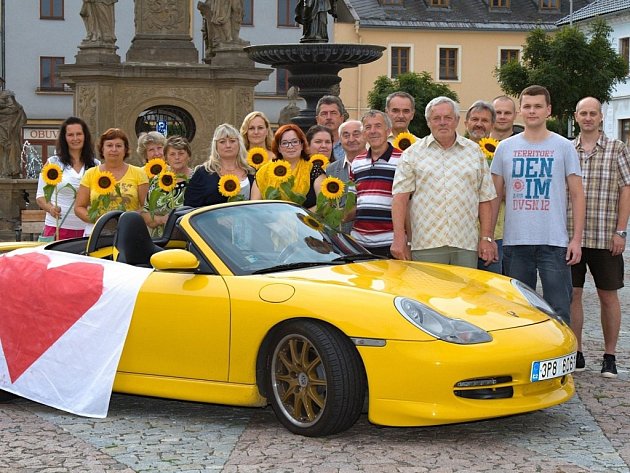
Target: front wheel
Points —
{"points": [[316, 380]]}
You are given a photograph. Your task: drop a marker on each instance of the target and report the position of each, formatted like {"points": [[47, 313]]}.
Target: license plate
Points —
{"points": [[553, 368]]}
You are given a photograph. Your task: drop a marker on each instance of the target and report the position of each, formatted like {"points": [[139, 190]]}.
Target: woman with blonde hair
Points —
{"points": [[227, 157], [256, 132]]}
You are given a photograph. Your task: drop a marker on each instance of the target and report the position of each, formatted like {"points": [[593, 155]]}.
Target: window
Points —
{"points": [[399, 60], [625, 131], [499, 3], [393, 2], [624, 51], [49, 73], [51, 9], [178, 121], [549, 4], [248, 13], [439, 3], [286, 12], [449, 63], [507, 55], [282, 82]]}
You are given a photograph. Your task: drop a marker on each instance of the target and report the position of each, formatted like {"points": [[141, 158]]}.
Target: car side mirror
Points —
{"points": [[174, 260]]}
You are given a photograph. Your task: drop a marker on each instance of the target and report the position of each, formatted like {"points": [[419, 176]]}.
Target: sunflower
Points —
{"points": [[281, 170], [488, 146], [311, 222], [332, 188], [229, 185], [256, 157], [167, 181], [155, 167], [404, 140], [105, 182], [320, 160], [51, 174]]}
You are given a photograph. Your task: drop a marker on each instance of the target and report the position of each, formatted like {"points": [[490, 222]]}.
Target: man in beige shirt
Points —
{"points": [[444, 181]]}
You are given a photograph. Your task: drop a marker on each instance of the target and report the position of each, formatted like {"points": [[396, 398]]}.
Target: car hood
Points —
{"points": [[485, 299]]}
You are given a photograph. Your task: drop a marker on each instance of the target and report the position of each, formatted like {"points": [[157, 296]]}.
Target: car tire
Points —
{"points": [[315, 379], [6, 396]]}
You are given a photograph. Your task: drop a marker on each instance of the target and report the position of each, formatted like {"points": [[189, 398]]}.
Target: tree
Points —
{"points": [[422, 89], [569, 64]]}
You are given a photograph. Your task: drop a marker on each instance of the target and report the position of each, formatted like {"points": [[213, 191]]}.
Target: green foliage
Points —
{"points": [[570, 64], [420, 85]]}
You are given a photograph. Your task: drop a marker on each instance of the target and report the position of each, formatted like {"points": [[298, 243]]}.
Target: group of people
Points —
{"points": [[535, 206]]}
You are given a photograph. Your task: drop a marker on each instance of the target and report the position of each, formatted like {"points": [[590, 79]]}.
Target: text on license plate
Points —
{"points": [[554, 368]]}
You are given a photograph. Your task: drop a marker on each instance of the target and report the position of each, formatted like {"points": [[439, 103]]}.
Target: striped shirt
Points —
{"points": [[373, 179], [605, 170]]}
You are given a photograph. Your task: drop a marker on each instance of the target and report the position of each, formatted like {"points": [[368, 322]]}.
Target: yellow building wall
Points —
{"points": [[479, 55]]}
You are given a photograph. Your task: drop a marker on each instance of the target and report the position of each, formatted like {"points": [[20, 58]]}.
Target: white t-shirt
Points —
{"points": [[64, 195], [535, 188]]}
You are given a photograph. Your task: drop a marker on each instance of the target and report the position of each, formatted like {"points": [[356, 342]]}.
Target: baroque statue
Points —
{"points": [[98, 17], [221, 22], [313, 16], [12, 119]]}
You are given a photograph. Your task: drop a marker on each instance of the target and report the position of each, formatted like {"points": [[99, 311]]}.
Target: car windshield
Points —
{"points": [[260, 237]]}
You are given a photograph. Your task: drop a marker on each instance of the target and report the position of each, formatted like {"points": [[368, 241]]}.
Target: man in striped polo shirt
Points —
{"points": [[373, 175]]}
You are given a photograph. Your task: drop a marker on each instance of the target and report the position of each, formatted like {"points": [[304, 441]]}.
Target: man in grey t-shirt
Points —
{"points": [[533, 170]]}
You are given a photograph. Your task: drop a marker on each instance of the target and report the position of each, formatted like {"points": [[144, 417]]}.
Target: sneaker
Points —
{"points": [[609, 367], [580, 363]]}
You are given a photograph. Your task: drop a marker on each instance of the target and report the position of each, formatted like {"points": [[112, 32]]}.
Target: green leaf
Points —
{"points": [[48, 191]]}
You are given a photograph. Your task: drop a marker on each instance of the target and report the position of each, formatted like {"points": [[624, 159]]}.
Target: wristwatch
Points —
{"points": [[621, 233], [486, 239]]}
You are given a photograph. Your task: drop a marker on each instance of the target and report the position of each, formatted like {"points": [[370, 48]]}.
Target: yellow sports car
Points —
{"points": [[256, 303]]}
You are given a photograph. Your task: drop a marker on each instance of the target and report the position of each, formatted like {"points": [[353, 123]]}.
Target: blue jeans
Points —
{"points": [[523, 262], [493, 267]]}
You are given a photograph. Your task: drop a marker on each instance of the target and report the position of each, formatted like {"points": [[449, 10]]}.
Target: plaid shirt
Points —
{"points": [[605, 170]]}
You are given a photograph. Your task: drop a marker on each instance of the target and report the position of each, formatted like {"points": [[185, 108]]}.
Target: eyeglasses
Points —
{"points": [[290, 144]]}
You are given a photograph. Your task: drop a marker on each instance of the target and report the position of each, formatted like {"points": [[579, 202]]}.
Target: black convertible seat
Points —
{"points": [[133, 242]]}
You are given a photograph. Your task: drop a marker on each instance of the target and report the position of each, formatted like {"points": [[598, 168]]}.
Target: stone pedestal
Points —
{"points": [[13, 194]]}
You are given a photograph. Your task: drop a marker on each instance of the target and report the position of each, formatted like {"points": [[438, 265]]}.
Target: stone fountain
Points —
{"points": [[314, 63]]}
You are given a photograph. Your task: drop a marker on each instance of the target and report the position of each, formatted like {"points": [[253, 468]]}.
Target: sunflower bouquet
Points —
{"points": [[230, 187], [488, 147], [109, 195], [161, 199], [403, 140], [52, 176], [331, 207], [283, 184]]}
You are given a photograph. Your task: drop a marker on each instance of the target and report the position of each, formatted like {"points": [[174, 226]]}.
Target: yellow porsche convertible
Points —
{"points": [[257, 303]]}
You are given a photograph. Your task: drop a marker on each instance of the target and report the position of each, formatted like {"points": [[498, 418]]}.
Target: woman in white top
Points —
{"points": [[75, 154]]}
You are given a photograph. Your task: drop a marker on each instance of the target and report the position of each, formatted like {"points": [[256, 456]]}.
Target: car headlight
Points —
{"points": [[441, 327], [535, 299]]}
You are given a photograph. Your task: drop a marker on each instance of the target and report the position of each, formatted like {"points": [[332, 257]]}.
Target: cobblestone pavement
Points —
{"points": [[587, 434]]}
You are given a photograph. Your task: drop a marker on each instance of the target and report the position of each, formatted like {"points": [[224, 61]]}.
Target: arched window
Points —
{"points": [[178, 121]]}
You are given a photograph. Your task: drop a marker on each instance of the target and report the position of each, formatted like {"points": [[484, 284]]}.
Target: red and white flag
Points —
{"points": [[63, 323]]}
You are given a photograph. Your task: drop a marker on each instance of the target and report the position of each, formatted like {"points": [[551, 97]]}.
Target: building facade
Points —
{"points": [[459, 42]]}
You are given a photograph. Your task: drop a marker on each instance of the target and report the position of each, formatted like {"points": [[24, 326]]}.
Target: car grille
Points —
{"points": [[485, 388]]}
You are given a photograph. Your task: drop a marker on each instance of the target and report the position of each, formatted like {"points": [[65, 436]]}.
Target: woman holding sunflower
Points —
{"points": [[291, 176], [114, 185], [167, 182], [320, 141], [256, 133], [225, 175], [150, 146], [60, 178]]}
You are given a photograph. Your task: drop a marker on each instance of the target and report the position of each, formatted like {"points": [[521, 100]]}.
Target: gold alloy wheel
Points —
{"points": [[315, 379], [299, 380]]}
